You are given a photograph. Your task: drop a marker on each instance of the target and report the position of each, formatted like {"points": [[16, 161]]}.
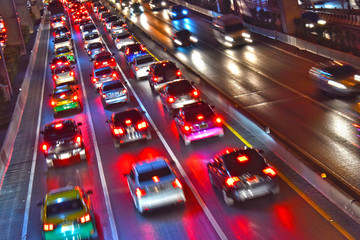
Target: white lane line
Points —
{"points": [[98, 157], [33, 162]]}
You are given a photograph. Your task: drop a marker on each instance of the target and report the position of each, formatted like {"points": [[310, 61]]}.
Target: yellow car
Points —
{"points": [[64, 98], [65, 51]]}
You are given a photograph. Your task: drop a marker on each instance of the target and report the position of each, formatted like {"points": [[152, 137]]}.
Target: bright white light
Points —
{"points": [[197, 59], [228, 44], [233, 68], [193, 39], [245, 35], [357, 77], [230, 39], [321, 22], [336, 84], [177, 42]]}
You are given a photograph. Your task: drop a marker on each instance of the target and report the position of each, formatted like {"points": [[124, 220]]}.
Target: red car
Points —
{"points": [[104, 59]]}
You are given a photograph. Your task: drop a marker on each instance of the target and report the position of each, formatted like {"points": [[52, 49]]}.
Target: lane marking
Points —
{"points": [[97, 153], [33, 162]]}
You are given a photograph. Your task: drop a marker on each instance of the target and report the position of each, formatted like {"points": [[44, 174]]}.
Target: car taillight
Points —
{"points": [[45, 147], [187, 128], [242, 158], [96, 63], [78, 139], [102, 49], [67, 63], [48, 227], [200, 117], [124, 25], [171, 99], [85, 43], [127, 51], [155, 79], [117, 40], [142, 125], [155, 179], [218, 120], [269, 171], [52, 103], [176, 184], [55, 77], [178, 73], [104, 96], [89, 52], [52, 66], [195, 93], [118, 131], [142, 47], [231, 181], [140, 192], [72, 73], [85, 218], [112, 60], [114, 75], [130, 37], [95, 80], [136, 69], [75, 98], [124, 91]]}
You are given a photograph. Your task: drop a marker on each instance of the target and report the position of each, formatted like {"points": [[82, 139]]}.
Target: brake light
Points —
{"points": [[48, 227], [269, 171], [127, 51], [200, 117], [55, 77], [102, 49], [170, 99], [95, 80], [218, 120], [104, 76], [136, 69], [75, 97], [128, 122], [155, 179], [130, 37], [231, 181], [85, 218], [118, 131], [124, 91], [142, 125], [142, 47], [114, 75], [176, 184], [104, 96], [242, 158], [72, 73], [58, 125], [124, 25], [140, 192], [52, 66], [112, 59], [45, 147], [78, 139], [195, 93], [52, 103], [155, 79], [117, 40], [178, 73], [187, 128], [67, 63], [89, 52]]}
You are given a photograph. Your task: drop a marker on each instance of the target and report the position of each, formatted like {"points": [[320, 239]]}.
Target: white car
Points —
{"points": [[153, 184], [64, 75], [140, 66], [92, 37], [63, 41], [123, 39], [117, 28], [88, 28], [109, 20], [101, 75]]}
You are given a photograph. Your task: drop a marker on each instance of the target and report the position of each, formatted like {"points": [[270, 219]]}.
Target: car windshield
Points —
{"points": [[103, 57], [234, 27], [160, 172], [94, 45], [63, 208], [89, 28], [104, 71], [254, 165], [62, 29], [59, 130], [112, 85], [123, 36], [192, 112], [144, 60], [133, 115], [168, 67], [62, 50], [134, 48], [61, 39], [342, 71], [62, 69], [62, 92], [180, 87], [60, 59], [91, 36]]}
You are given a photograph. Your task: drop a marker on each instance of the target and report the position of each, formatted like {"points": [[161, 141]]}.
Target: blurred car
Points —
{"points": [[88, 28], [136, 8], [140, 65], [117, 27], [92, 38], [157, 4], [67, 214], [62, 31], [94, 48], [134, 50], [58, 22], [84, 22], [67, 52], [312, 19], [63, 75], [184, 38], [104, 59], [198, 121], [63, 143], [162, 72], [336, 77], [101, 75], [112, 92], [100, 10], [177, 94], [125, 3], [128, 126], [242, 174], [153, 184], [64, 98], [3, 41], [104, 15], [63, 41], [80, 16], [58, 61], [177, 12], [123, 39], [109, 20]]}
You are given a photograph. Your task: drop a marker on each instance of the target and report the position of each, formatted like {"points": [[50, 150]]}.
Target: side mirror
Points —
{"points": [[79, 124]]}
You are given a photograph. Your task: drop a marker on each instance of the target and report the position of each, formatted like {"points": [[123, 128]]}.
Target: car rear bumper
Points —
{"points": [[159, 200], [114, 100], [67, 106], [64, 80], [135, 136], [262, 190], [64, 158], [206, 133], [75, 231]]}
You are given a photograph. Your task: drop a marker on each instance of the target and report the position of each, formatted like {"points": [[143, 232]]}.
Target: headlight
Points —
{"points": [[229, 39], [177, 42], [309, 25], [336, 84], [321, 22], [357, 77], [184, 12], [245, 35], [193, 39], [163, 3]]}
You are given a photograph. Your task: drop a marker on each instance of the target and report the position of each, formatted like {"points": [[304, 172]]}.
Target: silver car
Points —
{"points": [[109, 20], [112, 92], [91, 38], [64, 75], [117, 28], [94, 48], [101, 75], [88, 28], [140, 66], [153, 184], [123, 39], [62, 42]]}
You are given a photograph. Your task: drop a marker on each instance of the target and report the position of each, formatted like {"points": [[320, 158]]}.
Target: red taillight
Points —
{"points": [[136, 69], [52, 103], [218, 120], [117, 40], [67, 63], [200, 117], [78, 139], [178, 73], [114, 75], [104, 76], [176, 184], [104, 96], [195, 93], [55, 77], [52, 66], [118, 131], [155, 79], [58, 125], [89, 52], [124, 25], [45, 147], [48, 227], [242, 158], [140, 192], [142, 47], [128, 122], [72, 73], [102, 49], [231, 181], [171, 99], [142, 125], [187, 128], [75, 97], [62, 95], [85, 218], [269, 171], [124, 91], [95, 80], [112, 60], [130, 37], [155, 179]]}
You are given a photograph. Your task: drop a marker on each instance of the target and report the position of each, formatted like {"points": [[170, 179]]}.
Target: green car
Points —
{"points": [[64, 98], [67, 214], [67, 52]]}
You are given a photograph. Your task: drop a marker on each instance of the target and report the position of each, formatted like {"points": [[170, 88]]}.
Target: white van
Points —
{"points": [[230, 30]]}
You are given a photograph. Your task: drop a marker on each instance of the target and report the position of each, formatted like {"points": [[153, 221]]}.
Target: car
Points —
{"points": [[136, 8], [104, 15], [157, 4], [184, 38], [76, 7], [104, 59], [63, 75], [336, 77], [109, 20], [112, 92], [198, 121], [84, 22], [55, 16], [140, 65], [88, 28], [80, 16], [96, 5], [162, 72], [101, 75], [62, 143], [123, 39], [128, 126], [64, 98], [117, 27], [92, 38], [62, 31], [134, 50], [177, 94], [62, 42], [312, 19], [94, 48], [67, 214], [242, 174], [58, 61], [153, 184], [125, 3], [58, 22], [100, 10], [67, 52], [177, 12], [3, 42]]}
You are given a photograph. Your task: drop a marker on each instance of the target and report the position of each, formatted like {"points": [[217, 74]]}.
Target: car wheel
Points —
{"points": [[228, 200], [116, 143], [83, 155]]}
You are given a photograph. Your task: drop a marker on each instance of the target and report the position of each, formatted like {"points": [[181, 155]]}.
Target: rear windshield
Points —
{"points": [[53, 132], [160, 69], [180, 87], [89, 28], [192, 112], [112, 86], [160, 172], [61, 39], [123, 36], [64, 208], [62, 50], [103, 72], [254, 165], [135, 47], [91, 36], [103, 57], [342, 71], [62, 69], [112, 19], [145, 60], [133, 115], [66, 91], [94, 45]]}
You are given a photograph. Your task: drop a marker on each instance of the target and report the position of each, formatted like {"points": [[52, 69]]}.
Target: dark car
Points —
{"points": [[62, 31], [112, 92], [63, 142], [184, 38], [94, 48], [336, 77], [177, 12], [241, 175], [157, 4], [128, 126], [198, 121], [58, 61], [104, 59], [134, 50], [109, 20], [136, 8], [160, 73]]}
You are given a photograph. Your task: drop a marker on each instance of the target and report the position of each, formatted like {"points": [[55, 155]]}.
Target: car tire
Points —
{"points": [[49, 164], [83, 155], [228, 200]]}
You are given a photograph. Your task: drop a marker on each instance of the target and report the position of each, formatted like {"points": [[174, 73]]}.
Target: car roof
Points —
{"points": [[149, 165], [67, 193]]}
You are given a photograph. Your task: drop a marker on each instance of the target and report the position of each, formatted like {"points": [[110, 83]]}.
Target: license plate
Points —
{"points": [[67, 227], [65, 155], [105, 62], [136, 52]]}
